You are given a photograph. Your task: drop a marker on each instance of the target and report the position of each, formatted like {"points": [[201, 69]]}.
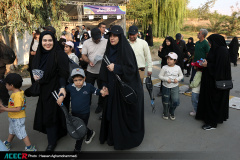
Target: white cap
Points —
{"points": [[173, 55], [69, 43], [80, 45]]}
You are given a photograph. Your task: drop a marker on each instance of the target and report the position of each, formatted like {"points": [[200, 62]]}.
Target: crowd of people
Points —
{"points": [[122, 123]]}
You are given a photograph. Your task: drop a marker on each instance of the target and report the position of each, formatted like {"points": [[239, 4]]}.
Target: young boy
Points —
{"points": [[195, 85], [16, 112], [170, 74], [80, 93]]}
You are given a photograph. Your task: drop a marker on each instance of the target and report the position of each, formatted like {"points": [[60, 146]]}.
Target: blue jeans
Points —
{"points": [[170, 100], [195, 97]]}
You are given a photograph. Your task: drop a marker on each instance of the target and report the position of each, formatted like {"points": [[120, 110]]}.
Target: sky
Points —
{"points": [[222, 6]]}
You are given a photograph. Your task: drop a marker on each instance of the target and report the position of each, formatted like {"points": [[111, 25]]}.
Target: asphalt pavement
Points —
{"points": [[182, 135]]}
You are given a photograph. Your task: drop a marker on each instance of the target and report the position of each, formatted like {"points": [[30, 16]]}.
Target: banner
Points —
{"points": [[90, 9]]}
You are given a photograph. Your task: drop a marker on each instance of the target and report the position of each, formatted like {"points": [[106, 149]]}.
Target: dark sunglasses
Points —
{"points": [[85, 35]]}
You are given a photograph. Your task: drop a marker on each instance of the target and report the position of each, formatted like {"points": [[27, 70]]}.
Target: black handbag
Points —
{"points": [[128, 94], [34, 90], [224, 85], [75, 126]]}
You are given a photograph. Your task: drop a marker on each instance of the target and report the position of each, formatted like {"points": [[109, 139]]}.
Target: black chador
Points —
{"points": [[213, 104], [122, 124]]}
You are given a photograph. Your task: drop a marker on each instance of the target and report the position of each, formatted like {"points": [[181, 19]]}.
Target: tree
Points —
{"points": [[216, 21], [170, 17], [139, 10], [204, 10], [22, 15], [166, 15]]}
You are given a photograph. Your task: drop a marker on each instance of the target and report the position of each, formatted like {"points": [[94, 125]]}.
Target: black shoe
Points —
{"points": [[50, 148], [76, 150], [100, 118], [208, 127], [90, 137], [159, 94], [187, 75], [98, 109]]}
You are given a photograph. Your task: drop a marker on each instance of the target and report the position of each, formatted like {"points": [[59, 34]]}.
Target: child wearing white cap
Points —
{"points": [[69, 50], [170, 74]]}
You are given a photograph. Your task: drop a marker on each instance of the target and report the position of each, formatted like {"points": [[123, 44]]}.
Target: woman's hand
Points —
{"points": [[36, 77], [169, 80], [175, 81], [62, 91], [60, 100], [111, 67], [160, 48], [33, 53], [205, 63]]}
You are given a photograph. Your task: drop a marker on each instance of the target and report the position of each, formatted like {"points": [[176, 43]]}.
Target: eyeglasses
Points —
{"points": [[85, 35]]}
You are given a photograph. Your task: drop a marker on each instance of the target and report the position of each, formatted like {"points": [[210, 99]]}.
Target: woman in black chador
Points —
{"points": [[149, 36], [213, 103], [233, 50], [169, 45], [122, 125], [49, 118], [189, 57]]}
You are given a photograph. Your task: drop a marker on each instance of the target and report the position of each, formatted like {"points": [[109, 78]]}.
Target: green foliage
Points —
{"points": [[166, 15], [204, 10], [30, 14], [170, 17], [216, 21]]}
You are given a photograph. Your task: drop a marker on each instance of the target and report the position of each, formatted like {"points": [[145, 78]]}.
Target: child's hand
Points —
{"points": [[175, 81], [104, 91], [169, 81], [60, 100]]}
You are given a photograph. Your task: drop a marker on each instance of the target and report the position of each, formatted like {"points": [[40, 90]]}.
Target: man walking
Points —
{"points": [[142, 52], [92, 52]]}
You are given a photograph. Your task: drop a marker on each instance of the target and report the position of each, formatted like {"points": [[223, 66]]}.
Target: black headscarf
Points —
{"points": [[167, 49], [190, 46], [83, 39], [48, 60], [149, 36], [218, 58], [233, 50], [125, 57], [234, 43], [216, 41]]}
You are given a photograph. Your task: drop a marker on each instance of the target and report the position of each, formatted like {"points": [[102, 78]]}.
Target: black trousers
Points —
{"points": [[52, 135], [85, 118], [91, 78]]}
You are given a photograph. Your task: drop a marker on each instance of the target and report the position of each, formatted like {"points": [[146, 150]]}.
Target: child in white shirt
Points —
{"points": [[170, 74]]}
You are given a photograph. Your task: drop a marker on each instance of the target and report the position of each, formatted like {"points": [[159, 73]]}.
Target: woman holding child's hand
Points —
{"points": [[49, 118], [121, 122]]}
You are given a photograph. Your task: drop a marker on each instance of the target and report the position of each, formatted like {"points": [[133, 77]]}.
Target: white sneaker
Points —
{"points": [[192, 113], [164, 117], [90, 137]]}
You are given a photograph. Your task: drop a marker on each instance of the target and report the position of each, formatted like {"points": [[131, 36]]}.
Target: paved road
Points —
{"points": [[183, 134]]}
